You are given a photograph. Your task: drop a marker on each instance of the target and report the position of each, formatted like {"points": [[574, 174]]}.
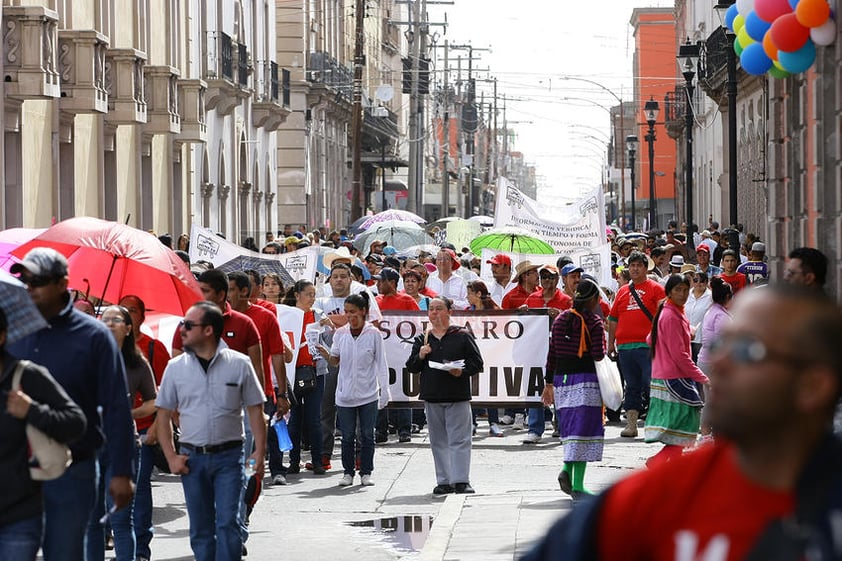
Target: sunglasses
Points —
{"points": [[36, 281], [187, 325], [746, 349]]}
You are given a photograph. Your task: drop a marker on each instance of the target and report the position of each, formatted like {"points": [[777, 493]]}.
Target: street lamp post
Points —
{"points": [[689, 52], [631, 146], [650, 111]]}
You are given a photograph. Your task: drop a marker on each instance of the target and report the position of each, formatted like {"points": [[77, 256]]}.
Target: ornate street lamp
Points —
{"points": [[631, 146], [650, 113], [688, 54]]}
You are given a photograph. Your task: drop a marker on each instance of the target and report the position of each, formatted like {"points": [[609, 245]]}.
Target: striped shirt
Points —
{"points": [[563, 356]]}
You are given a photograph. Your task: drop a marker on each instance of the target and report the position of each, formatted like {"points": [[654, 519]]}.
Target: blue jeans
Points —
{"points": [[535, 415], [120, 522], [213, 491], [636, 367], [348, 417], [307, 412], [20, 540], [68, 502], [142, 517]]}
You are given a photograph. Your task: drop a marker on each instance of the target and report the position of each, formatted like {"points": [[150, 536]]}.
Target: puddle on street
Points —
{"points": [[405, 533]]}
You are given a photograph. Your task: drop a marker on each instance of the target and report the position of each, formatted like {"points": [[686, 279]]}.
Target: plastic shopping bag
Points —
{"points": [[284, 441], [610, 384]]}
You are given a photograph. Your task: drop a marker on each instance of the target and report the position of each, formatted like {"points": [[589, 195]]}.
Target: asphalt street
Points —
{"points": [[313, 518]]}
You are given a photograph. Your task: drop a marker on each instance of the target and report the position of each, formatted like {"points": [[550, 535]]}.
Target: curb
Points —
{"points": [[435, 547]]}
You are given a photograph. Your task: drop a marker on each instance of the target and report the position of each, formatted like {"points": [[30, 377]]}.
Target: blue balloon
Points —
{"points": [[800, 60], [754, 60], [793, 4], [730, 14], [756, 27]]}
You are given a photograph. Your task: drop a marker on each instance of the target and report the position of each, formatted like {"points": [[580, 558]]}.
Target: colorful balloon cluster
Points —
{"points": [[780, 36]]}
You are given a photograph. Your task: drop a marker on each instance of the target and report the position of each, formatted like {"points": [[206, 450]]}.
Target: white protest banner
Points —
{"points": [[513, 345], [596, 262], [291, 321], [573, 228], [207, 246]]}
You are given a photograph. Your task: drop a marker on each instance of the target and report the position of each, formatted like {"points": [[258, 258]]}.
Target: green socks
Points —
{"points": [[577, 474]]}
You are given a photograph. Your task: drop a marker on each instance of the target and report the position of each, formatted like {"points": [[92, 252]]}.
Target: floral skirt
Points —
{"points": [[673, 418], [579, 406]]}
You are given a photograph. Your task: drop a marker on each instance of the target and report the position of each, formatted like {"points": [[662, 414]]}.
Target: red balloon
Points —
{"points": [[771, 10], [788, 35]]}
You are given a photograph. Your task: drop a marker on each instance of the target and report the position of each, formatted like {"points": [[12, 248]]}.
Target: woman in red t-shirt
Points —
{"points": [[306, 407]]}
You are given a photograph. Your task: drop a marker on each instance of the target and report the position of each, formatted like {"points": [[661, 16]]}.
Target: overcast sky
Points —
{"points": [[538, 48]]}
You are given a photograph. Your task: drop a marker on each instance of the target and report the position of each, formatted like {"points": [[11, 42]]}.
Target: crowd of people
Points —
{"points": [[669, 317]]}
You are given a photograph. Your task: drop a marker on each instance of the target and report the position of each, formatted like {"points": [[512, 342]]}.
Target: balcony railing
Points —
{"points": [[243, 66], [324, 69], [285, 79]]}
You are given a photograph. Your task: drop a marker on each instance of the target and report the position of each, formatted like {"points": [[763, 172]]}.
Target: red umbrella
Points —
{"points": [[118, 260]]}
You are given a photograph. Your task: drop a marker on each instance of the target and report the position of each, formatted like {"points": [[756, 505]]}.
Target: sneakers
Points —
{"points": [[404, 438], [318, 470], [532, 438], [279, 480], [293, 468], [518, 422], [346, 480], [439, 490], [464, 489], [365, 480], [506, 420], [494, 430]]}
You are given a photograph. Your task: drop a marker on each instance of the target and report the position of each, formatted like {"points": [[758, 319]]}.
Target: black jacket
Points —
{"points": [[438, 386], [54, 413]]}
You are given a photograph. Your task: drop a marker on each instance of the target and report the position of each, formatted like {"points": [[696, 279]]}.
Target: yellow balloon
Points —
{"points": [[778, 65], [744, 39], [739, 23]]}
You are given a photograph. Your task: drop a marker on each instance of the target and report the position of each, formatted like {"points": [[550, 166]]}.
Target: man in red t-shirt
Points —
{"points": [[388, 297], [628, 327], [549, 295], [774, 389], [526, 277], [730, 262]]}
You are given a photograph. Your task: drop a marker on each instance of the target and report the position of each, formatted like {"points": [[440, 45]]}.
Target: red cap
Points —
{"points": [[703, 247], [456, 263], [500, 259]]}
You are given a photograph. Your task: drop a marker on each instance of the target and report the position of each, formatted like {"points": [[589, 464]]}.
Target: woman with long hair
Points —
{"points": [[577, 340], [273, 288], [141, 385], [675, 402], [362, 385], [716, 318], [306, 411], [479, 297]]}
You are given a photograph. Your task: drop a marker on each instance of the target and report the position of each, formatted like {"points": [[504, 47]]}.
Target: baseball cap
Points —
{"points": [[703, 247], [552, 269], [571, 268], [389, 250], [387, 273], [500, 259], [42, 262]]}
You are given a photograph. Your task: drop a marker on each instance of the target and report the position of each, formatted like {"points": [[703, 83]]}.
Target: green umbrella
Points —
{"points": [[511, 239]]}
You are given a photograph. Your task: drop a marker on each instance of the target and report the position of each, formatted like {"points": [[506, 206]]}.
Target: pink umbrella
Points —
{"points": [[393, 214], [10, 240], [118, 260]]}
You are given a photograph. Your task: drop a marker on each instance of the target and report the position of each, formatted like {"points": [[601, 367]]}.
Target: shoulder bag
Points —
{"points": [[637, 299], [48, 458]]}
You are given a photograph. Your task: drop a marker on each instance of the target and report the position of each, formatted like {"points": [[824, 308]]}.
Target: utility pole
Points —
{"points": [[357, 115], [414, 135], [445, 180]]}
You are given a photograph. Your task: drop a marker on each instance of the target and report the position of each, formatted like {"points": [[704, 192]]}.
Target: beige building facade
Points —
{"points": [[158, 113]]}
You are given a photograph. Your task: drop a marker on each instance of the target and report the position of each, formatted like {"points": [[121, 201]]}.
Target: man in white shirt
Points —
{"points": [[445, 283], [501, 270]]}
